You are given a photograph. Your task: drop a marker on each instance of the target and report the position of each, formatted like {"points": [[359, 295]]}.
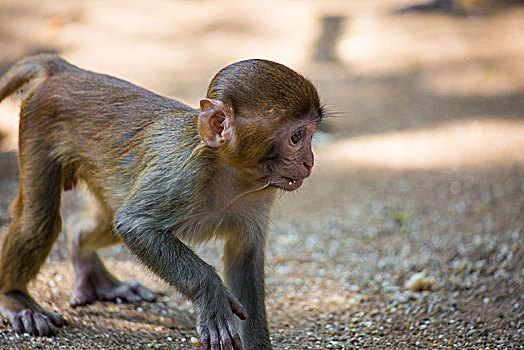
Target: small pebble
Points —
{"points": [[196, 342], [419, 282]]}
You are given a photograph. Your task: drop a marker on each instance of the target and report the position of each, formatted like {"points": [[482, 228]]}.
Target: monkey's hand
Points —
{"points": [[216, 320]]}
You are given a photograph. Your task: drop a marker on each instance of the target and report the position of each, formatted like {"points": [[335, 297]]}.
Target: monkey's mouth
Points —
{"points": [[287, 183]]}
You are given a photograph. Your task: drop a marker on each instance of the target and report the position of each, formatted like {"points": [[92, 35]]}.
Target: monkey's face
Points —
{"points": [[295, 158], [266, 114]]}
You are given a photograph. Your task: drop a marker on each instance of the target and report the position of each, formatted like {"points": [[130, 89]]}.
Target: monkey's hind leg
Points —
{"points": [[90, 231], [35, 226]]}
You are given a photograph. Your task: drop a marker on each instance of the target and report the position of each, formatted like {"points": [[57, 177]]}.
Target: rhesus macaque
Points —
{"points": [[162, 173]]}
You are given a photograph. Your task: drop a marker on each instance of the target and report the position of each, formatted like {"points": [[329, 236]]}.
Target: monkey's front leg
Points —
{"points": [[173, 261], [244, 269]]}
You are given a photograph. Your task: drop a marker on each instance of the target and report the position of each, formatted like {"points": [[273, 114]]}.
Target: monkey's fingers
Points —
{"points": [[55, 318], [44, 325], [14, 319], [130, 291], [203, 332], [27, 321], [218, 336], [215, 339], [237, 308], [237, 343], [34, 323], [144, 293], [229, 336]]}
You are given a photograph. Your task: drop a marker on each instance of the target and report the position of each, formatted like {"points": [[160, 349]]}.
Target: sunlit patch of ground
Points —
{"points": [[461, 144]]}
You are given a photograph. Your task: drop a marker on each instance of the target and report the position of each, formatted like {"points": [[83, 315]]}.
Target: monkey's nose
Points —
{"points": [[307, 161], [308, 168]]}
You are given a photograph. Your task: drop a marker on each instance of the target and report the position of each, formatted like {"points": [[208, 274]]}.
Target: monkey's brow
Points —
{"points": [[321, 113], [316, 116]]}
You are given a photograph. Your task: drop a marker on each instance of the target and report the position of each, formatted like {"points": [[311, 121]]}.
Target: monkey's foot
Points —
{"points": [[94, 282], [25, 315], [130, 291]]}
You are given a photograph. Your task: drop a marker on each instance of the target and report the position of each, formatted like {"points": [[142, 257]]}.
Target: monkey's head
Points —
{"points": [[261, 116]]}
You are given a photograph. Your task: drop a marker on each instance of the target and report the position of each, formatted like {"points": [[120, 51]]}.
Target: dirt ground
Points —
{"points": [[420, 169]]}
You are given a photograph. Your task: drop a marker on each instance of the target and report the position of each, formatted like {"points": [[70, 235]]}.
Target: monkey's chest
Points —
{"points": [[241, 217]]}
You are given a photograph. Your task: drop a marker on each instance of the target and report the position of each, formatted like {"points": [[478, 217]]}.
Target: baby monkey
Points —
{"points": [[162, 175]]}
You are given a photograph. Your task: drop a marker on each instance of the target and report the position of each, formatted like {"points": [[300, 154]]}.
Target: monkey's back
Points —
{"points": [[94, 125]]}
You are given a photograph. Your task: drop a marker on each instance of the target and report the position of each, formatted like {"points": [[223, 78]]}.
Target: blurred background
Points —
{"points": [[381, 66], [419, 168], [378, 69]]}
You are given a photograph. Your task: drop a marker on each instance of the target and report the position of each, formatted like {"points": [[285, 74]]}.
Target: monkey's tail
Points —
{"points": [[23, 72]]}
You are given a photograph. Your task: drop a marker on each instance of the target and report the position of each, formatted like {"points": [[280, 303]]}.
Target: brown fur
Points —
{"points": [[159, 171]]}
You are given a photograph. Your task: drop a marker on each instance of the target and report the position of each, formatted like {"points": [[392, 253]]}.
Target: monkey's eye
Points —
{"points": [[295, 138]]}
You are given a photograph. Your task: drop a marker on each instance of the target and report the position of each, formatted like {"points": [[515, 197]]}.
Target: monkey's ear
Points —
{"points": [[215, 122]]}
